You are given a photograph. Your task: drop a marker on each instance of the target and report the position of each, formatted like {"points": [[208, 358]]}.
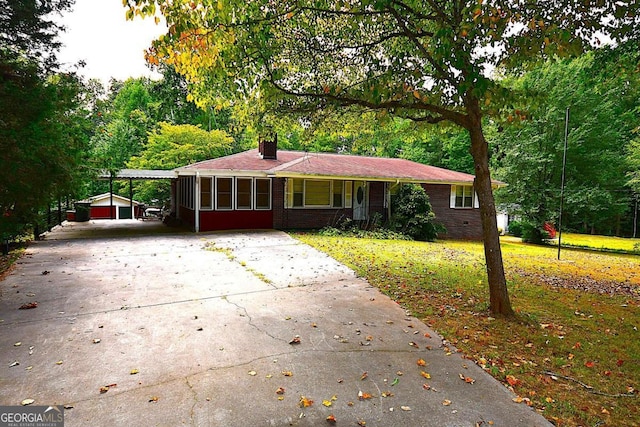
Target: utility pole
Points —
{"points": [[564, 166], [635, 219]]}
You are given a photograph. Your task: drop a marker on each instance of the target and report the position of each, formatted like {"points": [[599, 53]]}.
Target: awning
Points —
{"points": [[139, 174]]}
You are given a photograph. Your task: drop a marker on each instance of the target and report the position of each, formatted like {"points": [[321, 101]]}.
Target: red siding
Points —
{"points": [[235, 220], [460, 223]]}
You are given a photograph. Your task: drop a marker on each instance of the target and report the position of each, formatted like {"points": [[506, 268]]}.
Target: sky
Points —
{"points": [[98, 33]]}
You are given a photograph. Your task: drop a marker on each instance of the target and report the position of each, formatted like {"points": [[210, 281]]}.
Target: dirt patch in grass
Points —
{"points": [[573, 351]]}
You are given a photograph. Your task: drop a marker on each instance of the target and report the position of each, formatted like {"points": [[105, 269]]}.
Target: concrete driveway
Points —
{"points": [[203, 330]]}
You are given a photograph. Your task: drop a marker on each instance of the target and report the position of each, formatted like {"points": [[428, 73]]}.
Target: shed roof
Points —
{"points": [[299, 164]]}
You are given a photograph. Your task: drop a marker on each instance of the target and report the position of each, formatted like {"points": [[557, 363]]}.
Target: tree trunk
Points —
{"points": [[498, 295]]}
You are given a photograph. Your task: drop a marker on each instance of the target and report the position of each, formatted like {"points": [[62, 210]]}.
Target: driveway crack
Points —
{"points": [[253, 325], [192, 416]]}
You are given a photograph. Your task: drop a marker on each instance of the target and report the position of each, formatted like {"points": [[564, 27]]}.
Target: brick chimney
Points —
{"points": [[269, 148]]}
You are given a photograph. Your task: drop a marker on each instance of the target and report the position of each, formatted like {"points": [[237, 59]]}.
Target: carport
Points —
{"points": [[136, 174]]}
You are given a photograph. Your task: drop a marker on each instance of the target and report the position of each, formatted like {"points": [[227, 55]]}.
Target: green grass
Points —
{"points": [[574, 348], [616, 244]]}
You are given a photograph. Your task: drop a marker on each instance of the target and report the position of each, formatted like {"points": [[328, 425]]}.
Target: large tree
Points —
{"points": [[43, 127], [602, 97], [426, 60]]}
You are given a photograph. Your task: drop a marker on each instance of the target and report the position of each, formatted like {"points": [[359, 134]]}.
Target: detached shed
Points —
{"points": [[106, 206]]}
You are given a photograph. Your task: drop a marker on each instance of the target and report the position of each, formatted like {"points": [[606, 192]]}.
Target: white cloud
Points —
{"points": [[98, 33]]}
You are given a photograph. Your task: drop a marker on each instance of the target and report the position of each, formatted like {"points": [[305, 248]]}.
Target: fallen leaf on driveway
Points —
{"points": [[331, 419], [18, 344], [26, 402], [280, 390], [405, 408], [364, 376], [253, 373], [327, 403], [96, 340], [364, 396], [106, 388], [425, 374], [287, 373], [295, 340], [421, 362], [446, 402], [467, 380], [413, 344], [305, 402], [153, 399], [14, 363], [133, 372], [28, 305]]}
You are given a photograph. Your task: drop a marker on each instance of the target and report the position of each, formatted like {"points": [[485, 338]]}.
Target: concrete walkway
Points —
{"points": [[202, 330]]}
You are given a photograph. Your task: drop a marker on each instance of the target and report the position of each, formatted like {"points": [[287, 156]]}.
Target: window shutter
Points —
{"points": [[452, 199]]}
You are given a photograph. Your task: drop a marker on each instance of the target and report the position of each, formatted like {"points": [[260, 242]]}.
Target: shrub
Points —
{"points": [[515, 228], [533, 233], [412, 214]]}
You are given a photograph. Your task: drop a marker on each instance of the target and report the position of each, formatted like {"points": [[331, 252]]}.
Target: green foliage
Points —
{"points": [[43, 141], [172, 146], [27, 31], [534, 233], [411, 213], [515, 228], [529, 150]]}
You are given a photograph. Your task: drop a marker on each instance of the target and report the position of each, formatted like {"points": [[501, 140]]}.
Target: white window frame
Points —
{"points": [[453, 198], [251, 194], [255, 194], [211, 193], [232, 191]]}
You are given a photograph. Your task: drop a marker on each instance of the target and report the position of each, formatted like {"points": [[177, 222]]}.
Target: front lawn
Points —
{"points": [[573, 352], [615, 244]]}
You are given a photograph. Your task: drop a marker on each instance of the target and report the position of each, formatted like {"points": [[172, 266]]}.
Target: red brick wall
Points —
{"points": [[285, 219], [376, 199], [460, 223]]}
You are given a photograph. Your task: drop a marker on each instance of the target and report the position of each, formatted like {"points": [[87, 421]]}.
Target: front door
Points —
{"points": [[360, 201]]}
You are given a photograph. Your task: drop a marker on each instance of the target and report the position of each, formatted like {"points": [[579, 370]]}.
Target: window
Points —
{"points": [[462, 196], [187, 184], [206, 193], [244, 193], [224, 193], [263, 194], [338, 194], [317, 193], [298, 192]]}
